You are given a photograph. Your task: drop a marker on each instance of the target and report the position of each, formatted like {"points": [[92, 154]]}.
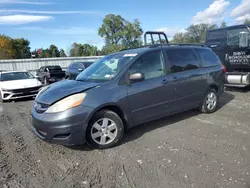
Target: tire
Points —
{"points": [[210, 102], [105, 130]]}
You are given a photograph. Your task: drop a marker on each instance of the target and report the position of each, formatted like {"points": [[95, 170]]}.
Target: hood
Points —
{"points": [[20, 84], [62, 89]]}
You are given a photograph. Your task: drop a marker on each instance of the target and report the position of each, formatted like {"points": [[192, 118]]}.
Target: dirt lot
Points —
{"points": [[186, 150]]}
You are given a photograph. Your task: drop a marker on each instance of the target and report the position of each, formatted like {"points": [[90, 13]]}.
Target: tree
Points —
{"points": [[83, 50], [197, 33], [194, 34], [62, 53], [6, 51], [179, 38], [133, 33], [120, 33], [247, 21], [21, 48], [223, 25], [53, 50]]}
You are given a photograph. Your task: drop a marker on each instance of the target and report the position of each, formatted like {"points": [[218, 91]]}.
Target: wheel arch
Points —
{"points": [[115, 108]]}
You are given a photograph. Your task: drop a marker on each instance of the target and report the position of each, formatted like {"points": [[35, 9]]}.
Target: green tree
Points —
{"points": [[120, 33], [223, 25], [62, 53], [194, 34], [179, 38], [53, 50], [197, 33], [83, 50], [247, 21], [21, 48]]}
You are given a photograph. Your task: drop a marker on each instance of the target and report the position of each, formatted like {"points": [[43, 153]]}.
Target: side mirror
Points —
{"points": [[243, 39], [80, 70], [136, 77]]}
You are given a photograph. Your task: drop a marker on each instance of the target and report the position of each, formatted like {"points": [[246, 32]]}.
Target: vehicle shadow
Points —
{"points": [[238, 89], [140, 130], [225, 99]]}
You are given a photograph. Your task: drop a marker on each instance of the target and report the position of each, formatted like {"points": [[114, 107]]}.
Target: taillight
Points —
{"points": [[224, 68]]}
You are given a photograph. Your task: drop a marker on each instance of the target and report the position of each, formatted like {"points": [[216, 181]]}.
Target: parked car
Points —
{"points": [[76, 68], [232, 45], [125, 89], [50, 74], [18, 84]]}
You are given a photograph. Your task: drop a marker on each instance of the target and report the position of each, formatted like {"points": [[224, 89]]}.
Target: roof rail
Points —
{"points": [[183, 44]]}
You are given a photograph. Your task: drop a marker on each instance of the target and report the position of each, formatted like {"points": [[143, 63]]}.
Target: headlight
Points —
{"points": [[67, 103]]}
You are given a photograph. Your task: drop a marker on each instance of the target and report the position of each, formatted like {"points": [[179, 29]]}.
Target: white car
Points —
{"points": [[18, 84]]}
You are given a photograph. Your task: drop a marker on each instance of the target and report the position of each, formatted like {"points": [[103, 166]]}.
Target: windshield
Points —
{"points": [[106, 68], [16, 76]]}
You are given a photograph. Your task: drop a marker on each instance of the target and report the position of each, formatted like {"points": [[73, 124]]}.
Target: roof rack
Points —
{"points": [[163, 39]]}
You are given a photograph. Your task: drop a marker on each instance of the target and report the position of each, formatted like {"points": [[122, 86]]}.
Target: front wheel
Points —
{"points": [[105, 130], [210, 102]]}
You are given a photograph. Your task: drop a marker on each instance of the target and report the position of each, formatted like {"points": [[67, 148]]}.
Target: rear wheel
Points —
{"points": [[210, 102], [105, 130]]}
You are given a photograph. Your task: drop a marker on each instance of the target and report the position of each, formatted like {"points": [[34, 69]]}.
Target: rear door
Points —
{"points": [[154, 96], [186, 77]]}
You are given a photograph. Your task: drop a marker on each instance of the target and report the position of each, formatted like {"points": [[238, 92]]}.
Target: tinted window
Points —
{"points": [[16, 76], [208, 57], [182, 60], [233, 36], [54, 68], [150, 64]]}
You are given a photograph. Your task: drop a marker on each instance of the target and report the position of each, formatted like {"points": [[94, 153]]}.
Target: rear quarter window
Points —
{"points": [[207, 57]]}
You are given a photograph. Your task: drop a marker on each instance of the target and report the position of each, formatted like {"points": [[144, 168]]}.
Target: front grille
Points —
{"points": [[26, 90]]}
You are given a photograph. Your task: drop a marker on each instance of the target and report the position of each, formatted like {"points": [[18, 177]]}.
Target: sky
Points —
{"points": [[62, 22]]}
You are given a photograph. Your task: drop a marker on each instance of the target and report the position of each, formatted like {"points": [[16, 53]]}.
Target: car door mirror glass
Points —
{"points": [[136, 77]]}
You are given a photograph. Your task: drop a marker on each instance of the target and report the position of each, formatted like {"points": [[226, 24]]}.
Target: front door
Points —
{"points": [[152, 97]]}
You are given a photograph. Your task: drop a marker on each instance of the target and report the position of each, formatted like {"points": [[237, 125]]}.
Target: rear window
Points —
{"points": [[182, 60], [55, 68], [207, 57]]}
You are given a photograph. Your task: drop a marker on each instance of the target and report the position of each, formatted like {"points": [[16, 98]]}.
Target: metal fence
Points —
{"points": [[33, 65]]}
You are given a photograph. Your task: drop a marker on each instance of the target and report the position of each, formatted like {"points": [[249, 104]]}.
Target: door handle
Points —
{"points": [[165, 81], [174, 78]]}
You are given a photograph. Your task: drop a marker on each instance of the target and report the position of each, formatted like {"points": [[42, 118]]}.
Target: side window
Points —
{"points": [[207, 57], [79, 66], [150, 64], [233, 36], [182, 60]]}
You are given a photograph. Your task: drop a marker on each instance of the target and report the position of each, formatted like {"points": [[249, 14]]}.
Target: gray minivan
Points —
{"points": [[125, 89]]}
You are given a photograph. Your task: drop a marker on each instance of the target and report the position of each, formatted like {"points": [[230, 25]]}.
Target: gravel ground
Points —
{"points": [[185, 150]]}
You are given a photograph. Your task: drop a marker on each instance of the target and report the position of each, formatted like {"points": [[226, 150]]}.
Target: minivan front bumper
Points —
{"points": [[64, 128]]}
